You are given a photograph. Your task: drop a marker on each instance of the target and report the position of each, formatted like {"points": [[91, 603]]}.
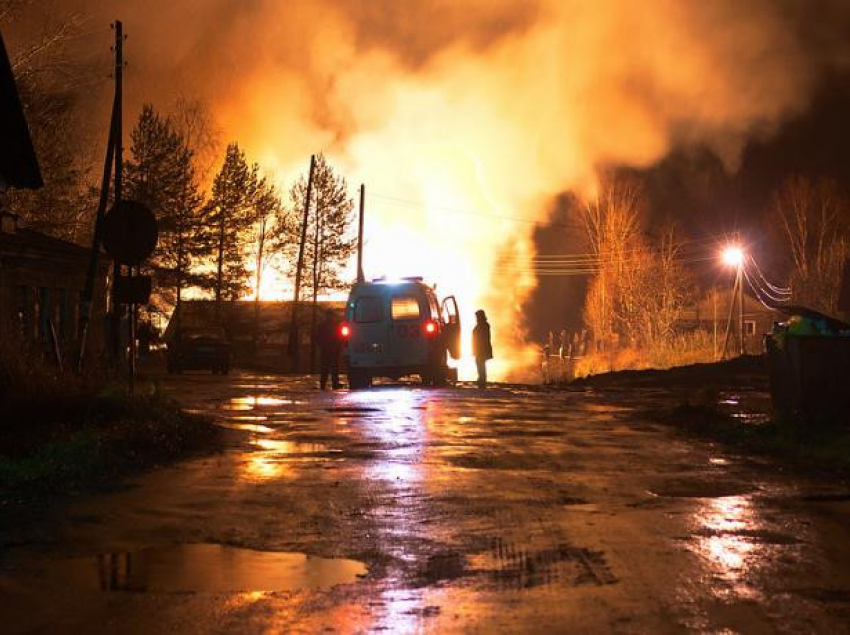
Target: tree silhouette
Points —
{"points": [[329, 242], [227, 224], [161, 175]]}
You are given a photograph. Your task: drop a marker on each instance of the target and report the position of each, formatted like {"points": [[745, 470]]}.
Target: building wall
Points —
{"points": [[39, 289]]}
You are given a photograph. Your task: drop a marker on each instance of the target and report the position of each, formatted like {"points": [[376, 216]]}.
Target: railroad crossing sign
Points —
{"points": [[130, 233]]}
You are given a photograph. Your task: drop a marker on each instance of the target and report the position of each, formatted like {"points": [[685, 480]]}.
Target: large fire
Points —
{"points": [[464, 119]]}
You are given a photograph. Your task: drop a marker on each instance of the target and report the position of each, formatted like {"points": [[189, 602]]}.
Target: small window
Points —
{"points": [[368, 309], [435, 307], [750, 327], [405, 308]]}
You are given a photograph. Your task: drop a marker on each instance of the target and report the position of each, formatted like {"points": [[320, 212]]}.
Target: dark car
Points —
{"points": [[199, 349]]}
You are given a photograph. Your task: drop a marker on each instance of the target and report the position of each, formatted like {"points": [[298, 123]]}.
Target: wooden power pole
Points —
{"points": [[360, 276], [294, 344], [118, 76], [741, 307]]}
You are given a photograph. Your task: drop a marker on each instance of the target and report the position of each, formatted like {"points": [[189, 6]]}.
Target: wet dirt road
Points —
{"points": [[406, 509]]}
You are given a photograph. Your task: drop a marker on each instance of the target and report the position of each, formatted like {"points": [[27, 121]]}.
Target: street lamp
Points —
{"points": [[733, 256]]}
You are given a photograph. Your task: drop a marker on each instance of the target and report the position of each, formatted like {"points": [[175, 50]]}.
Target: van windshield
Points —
{"points": [[405, 308], [368, 309]]}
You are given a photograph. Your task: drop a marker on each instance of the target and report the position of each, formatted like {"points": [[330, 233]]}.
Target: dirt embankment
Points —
{"points": [[748, 372], [729, 402]]}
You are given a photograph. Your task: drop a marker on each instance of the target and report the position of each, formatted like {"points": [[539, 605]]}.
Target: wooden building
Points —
{"points": [[258, 333], [712, 312], [41, 286]]}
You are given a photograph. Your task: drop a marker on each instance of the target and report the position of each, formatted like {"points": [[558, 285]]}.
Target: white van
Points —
{"points": [[399, 328]]}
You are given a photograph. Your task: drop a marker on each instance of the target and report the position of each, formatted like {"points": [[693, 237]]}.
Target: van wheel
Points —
{"points": [[358, 380]]}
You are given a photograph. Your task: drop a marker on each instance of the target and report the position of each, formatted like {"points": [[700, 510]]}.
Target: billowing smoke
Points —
{"points": [[465, 117]]}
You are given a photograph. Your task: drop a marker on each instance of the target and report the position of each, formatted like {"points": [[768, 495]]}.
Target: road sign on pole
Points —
{"points": [[130, 233]]}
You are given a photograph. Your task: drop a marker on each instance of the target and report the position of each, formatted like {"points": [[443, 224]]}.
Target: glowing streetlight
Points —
{"points": [[733, 256]]}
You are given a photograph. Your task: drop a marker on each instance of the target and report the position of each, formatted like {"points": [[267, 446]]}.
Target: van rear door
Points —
{"points": [[408, 342], [451, 326], [369, 339]]}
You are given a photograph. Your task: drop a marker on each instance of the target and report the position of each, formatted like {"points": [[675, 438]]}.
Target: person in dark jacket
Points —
{"points": [[330, 345], [482, 349]]}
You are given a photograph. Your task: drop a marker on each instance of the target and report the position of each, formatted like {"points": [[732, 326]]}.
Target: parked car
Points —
{"points": [[199, 349], [399, 328]]}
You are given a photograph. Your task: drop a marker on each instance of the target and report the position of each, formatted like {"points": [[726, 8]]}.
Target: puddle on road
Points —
{"points": [[699, 488], [214, 568]]}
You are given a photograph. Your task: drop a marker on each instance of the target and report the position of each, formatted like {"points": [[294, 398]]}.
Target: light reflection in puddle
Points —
{"points": [[214, 568], [236, 406], [751, 418], [248, 418], [263, 467], [727, 524], [246, 427], [291, 447], [398, 420], [391, 471], [251, 402], [273, 458]]}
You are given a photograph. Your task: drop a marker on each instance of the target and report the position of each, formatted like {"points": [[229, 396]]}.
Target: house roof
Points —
{"points": [[18, 162], [23, 239], [704, 309]]}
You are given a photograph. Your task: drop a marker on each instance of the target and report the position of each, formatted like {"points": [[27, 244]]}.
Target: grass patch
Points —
{"points": [[810, 447], [64, 432]]}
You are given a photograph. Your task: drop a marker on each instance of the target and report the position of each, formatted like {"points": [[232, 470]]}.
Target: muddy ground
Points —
{"points": [[404, 509]]}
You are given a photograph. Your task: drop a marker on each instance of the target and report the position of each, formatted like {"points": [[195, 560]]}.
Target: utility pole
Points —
{"points": [[119, 180], [732, 297], [714, 303], [360, 276], [97, 235], [118, 76], [294, 345], [315, 300], [741, 307]]}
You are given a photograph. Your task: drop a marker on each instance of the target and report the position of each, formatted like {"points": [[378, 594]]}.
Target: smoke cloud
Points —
{"points": [[465, 118]]}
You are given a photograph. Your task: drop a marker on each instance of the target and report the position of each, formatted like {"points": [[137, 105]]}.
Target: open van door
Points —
{"points": [[451, 326]]}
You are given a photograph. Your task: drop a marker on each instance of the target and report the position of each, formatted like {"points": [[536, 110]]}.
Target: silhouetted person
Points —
{"points": [[482, 349], [330, 345]]}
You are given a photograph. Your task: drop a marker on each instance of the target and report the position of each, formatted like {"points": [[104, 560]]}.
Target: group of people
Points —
{"points": [[330, 343]]}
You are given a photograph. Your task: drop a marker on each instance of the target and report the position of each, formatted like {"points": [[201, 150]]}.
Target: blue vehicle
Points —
{"points": [[399, 328]]}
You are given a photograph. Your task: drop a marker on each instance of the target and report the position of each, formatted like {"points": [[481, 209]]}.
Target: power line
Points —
{"points": [[778, 290], [759, 291]]}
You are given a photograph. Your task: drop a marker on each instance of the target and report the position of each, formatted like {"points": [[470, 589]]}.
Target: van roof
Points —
{"points": [[386, 284]]}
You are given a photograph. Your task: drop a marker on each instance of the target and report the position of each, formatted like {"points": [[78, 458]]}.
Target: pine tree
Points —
{"points": [[329, 243], [329, 239], [160, 174], [227, 224]]}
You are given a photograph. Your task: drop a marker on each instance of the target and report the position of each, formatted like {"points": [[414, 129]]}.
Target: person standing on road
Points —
{"points": [[330, 345], [482, 349]]}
